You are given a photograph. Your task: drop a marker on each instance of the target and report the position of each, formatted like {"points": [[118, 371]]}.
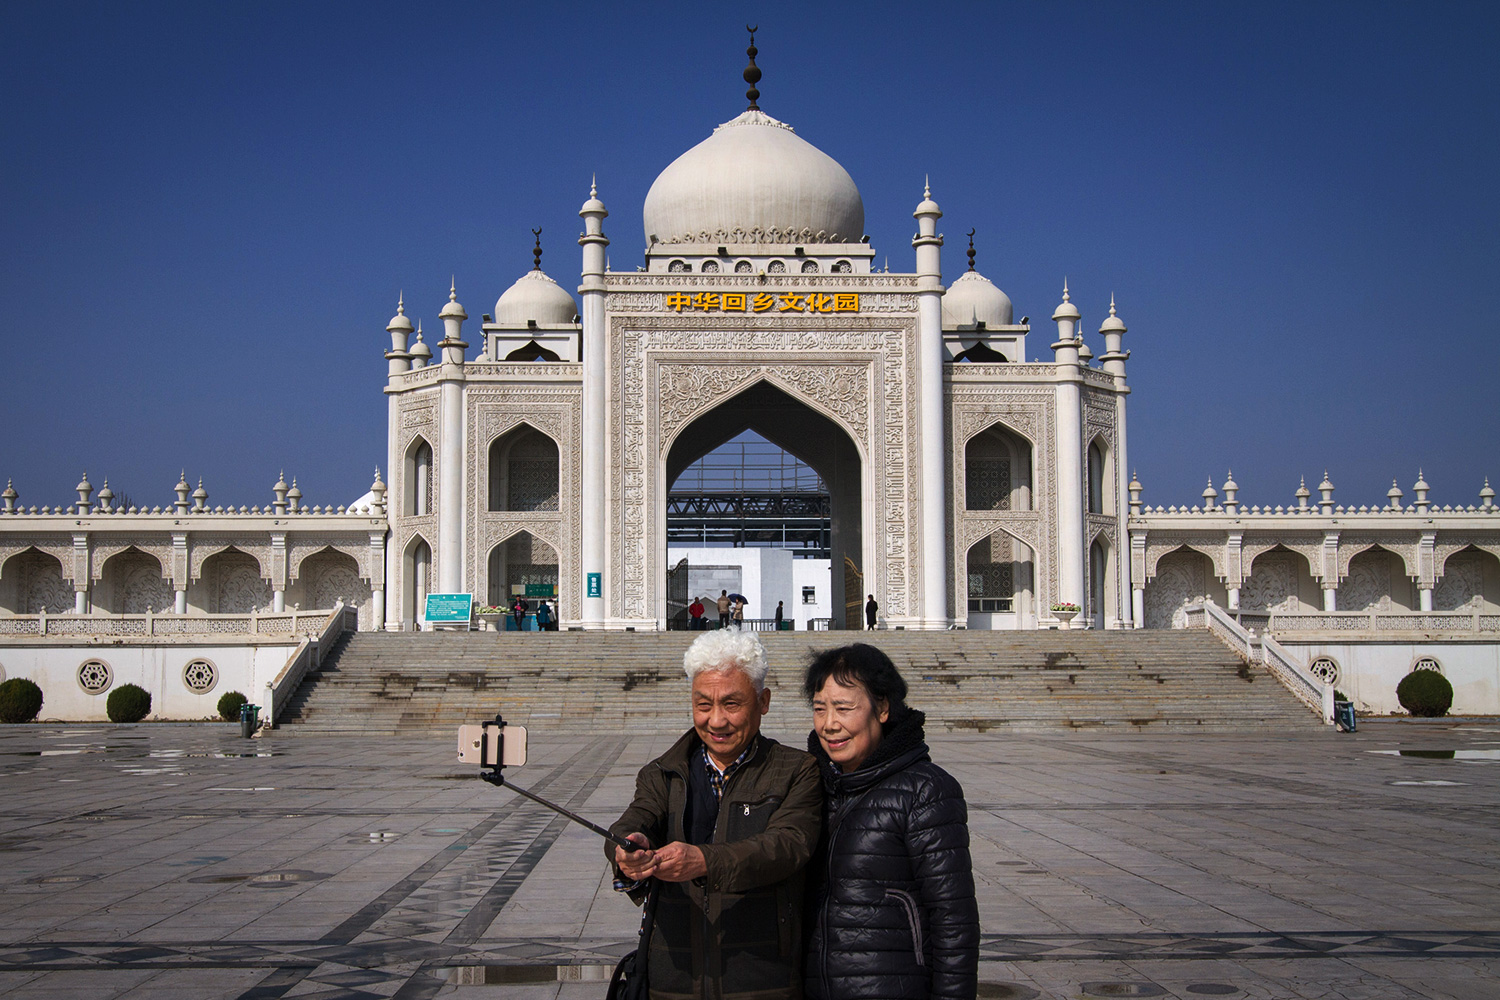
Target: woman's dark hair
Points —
{"points": [[860, 664]]}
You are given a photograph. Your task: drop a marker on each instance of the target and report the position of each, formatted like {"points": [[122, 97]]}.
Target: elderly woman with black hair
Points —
{"points": [[895, 912]]}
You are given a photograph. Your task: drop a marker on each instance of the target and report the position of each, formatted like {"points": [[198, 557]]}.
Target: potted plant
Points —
{"points": [[490, 615], [1065, 612]]}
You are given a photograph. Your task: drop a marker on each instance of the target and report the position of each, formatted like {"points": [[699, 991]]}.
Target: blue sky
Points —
{"points": [[210, 209]]}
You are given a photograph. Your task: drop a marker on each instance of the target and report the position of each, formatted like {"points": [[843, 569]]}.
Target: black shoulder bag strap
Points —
{"points": [[631, 980]]}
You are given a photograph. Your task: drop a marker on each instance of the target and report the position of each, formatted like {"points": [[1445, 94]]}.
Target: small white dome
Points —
{"points": [[974, 299], [754, 181], [535, 297]]}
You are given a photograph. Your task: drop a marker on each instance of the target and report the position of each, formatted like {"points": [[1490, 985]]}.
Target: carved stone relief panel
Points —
{"points": [[1271, 586], [1367, 587], [40, 585], [1461, 587], [1181, 579], [1208, 544], [1403, 545]]}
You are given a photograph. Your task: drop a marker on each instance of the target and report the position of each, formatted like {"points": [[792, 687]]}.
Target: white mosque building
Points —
{"points": [[967, 487]]}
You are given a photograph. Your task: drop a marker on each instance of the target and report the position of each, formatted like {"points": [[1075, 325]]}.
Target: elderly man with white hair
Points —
{"points": [[727, 820]]}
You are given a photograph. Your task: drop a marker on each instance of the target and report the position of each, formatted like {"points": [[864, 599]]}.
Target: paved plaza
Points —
{"points": [[183, 861]]}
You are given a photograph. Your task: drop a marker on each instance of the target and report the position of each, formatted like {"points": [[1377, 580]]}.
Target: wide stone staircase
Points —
{"points": [[585, 682]]}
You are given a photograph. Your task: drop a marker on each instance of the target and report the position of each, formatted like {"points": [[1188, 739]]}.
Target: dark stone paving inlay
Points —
{"points": [[1212, 989], [1123, 990]]}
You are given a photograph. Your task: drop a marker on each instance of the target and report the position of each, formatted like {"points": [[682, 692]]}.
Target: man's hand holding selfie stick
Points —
{"points": [[676, 862]]}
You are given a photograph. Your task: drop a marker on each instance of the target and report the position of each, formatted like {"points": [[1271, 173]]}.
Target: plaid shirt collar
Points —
{"points": [[716, 778]]}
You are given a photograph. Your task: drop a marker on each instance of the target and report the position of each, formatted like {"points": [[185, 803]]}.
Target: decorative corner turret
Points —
{"points": [[452, 345], [10, 496], [400, 330], [1065, 350], [1393, 497], [1302, 494], [200, 498], [106, 497], [85, 489], [1231, 494], [1486, 496], [182, 488], [378, 489], [1135, 489], [1325, 488], [1113, 328], [278, 506], [293, 497], [1210, 496], [1421, 488]]}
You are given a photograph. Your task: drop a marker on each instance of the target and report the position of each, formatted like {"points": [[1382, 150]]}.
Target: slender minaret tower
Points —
{"points": [[451, 448], [1070, 550], [1113, 360], [933, 550], [595, 445]]}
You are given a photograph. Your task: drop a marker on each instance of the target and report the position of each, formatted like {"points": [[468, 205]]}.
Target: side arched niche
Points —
{"points": [[32, 582], [520, 562], [997, 470], [999, 574], [523, 471]]}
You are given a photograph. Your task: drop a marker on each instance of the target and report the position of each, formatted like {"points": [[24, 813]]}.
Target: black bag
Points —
{"points": [[630, 980]]}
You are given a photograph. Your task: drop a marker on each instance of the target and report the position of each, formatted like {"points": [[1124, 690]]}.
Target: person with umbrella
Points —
{"points": [[739, 609]]}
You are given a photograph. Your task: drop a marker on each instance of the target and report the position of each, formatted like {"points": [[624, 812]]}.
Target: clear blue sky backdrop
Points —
{"points": [[209, 210]]}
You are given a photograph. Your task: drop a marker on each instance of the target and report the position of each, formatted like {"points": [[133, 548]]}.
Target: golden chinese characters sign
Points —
{"points": [[781, 302]]}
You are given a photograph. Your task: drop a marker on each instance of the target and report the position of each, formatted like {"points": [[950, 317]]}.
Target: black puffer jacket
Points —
{"points": [[895, 915]]}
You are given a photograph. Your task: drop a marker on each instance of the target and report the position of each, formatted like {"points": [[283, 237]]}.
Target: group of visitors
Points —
{"points": [[731, 610], [546, 615], [774, 873]]}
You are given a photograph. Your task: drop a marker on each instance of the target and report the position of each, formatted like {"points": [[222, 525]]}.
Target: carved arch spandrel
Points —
{"points": [[1155, 550], [1445, 549], [839, 391], [161, 552], [200, 554], [972, 531], [359, 553], [60, 550], [1351, 547]]}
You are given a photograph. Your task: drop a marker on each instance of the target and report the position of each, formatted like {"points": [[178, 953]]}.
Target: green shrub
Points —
{"points": [[20, 700], [229, 706], [128, 703], [1425, 693]]}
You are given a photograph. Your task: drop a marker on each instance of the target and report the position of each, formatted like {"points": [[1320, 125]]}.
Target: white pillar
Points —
{"points": [[1070, 486], [1330, 598], [933, 547], [1138, 605], [451, 444], [1234, 598], [595, 443], [179, 603], [1425, 594], [80, 602]]}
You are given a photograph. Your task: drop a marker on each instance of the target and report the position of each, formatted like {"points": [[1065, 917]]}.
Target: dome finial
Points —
{"points": [[971, 249], [752, 71], [453, 289], [926, 185], [1111, 303], [593, 185], [537, 250], [401, 303], [1065, 290]]}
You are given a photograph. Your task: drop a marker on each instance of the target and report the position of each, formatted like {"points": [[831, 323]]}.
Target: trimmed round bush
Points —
{"points": [[20, 700], [1425, 693], [229, 706], [128, 703]]}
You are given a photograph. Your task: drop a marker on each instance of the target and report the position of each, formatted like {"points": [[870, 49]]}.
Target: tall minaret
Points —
{"points": [[1113, 360], [1070, 486], [933, 550], [451, 448], [595, 500]]}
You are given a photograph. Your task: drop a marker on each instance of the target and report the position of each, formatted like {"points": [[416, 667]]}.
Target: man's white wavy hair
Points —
{"points": [[727, 649]]}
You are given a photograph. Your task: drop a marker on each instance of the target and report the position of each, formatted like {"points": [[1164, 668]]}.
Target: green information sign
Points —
{"points": [[596, 585], [451, 609], [541, 590]]}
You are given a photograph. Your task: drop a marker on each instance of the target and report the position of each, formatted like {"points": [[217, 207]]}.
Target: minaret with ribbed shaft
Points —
{"points": [[933, 550], [595, 445], [450, 499], [1070, 485]]}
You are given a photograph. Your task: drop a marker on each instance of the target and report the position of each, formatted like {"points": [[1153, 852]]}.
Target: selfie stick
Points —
{"points": [[496, 776]]}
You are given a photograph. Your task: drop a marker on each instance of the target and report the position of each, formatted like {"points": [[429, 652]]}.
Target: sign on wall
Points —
{"points": [[595, 585], [760, 302]]}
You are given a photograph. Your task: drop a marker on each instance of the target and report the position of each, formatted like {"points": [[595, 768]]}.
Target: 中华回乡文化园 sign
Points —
{"points": [[761, 302], [454, 608]]}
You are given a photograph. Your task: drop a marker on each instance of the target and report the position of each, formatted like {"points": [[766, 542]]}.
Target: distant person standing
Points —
{"points": [[723, 604], [739, 614], [543, 616], [518, 613], [695, 613], [779, 614], [871, 610]]}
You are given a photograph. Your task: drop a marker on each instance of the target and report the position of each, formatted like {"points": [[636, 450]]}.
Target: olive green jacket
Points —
{"points": [[741, 923]]}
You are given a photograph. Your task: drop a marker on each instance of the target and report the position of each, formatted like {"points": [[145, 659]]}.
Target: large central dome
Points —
{"points": [[754, 181]]}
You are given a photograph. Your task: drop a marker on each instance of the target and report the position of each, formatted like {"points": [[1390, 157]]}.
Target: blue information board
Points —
{"points": [[449, 609]]}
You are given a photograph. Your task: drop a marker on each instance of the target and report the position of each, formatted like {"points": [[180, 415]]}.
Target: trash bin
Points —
{"points": [[784, 626], [1343, 716], [249, 718]]}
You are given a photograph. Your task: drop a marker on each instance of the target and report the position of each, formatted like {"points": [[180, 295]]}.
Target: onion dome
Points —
{"points": [[1066, 310], [106, 495], [1112, 323], [754, 180], [973, 301], [453, 310], [535, 297]]}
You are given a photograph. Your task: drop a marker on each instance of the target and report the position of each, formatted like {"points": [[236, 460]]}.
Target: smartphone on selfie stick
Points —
{"points": [[493, 745]]}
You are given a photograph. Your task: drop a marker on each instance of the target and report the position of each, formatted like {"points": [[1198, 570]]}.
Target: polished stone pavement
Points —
{"points": [[183, 861]]}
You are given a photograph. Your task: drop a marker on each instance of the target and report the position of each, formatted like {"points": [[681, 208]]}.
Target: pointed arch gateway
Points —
{"points": [[811, 437]]}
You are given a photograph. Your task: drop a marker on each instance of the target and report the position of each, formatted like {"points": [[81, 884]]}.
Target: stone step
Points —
{"points": [[578, 682]]}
